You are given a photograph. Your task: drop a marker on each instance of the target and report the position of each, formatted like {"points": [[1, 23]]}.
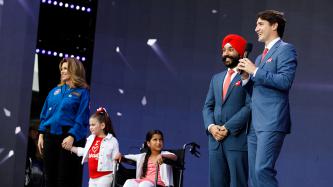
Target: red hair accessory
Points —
{"points": [[101, 110], [237, 42]]}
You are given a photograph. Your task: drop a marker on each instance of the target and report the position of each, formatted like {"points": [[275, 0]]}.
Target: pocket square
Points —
{"points": [[269, 60]]}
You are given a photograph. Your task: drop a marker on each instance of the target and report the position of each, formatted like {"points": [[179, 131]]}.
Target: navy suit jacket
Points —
{"points": [[269, 88], [233, 112]]}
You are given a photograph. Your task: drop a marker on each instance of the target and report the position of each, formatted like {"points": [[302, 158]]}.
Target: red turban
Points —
{"points": [[237, 42]]}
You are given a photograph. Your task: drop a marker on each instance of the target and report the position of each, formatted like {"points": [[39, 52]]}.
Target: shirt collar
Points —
{"points": [[270, 45], [235, 69]]}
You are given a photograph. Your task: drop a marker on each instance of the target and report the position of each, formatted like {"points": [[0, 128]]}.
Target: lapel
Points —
{"points": [[270, 53], [219, 87], [231, 86]]}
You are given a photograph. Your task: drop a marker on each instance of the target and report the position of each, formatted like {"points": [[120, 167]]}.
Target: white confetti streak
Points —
{"points": [[119, 114], [144, 101], [17, 129], [7, 112], [121, 91], [10, 153]]}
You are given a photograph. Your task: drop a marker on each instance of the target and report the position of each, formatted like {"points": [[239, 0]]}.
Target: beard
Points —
{"points": [[234, 61]]}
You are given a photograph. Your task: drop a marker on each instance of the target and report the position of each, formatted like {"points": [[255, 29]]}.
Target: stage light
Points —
{"points": [[57, 53], [66, 5], [151, 42], [117, 49]]}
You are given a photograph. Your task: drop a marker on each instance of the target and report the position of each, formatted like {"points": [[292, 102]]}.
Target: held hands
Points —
{"points": [[218, 132], [117, 157], [67, 143], [247, 66], [40, 143]]}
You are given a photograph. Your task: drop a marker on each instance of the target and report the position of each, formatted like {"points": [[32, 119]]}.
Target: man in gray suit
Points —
{"points": [[226, 112]]}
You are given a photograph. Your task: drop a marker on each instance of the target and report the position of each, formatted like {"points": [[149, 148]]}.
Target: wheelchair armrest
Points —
{"points": [[173, 163], [128, 161]]}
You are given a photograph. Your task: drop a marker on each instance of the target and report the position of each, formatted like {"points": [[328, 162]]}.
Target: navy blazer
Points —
{"points": [[269, 88], [233, 112]]}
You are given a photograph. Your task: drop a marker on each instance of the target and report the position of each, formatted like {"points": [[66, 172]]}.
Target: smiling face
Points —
{"points": [[230, 56], [96, 127], [155, 143], [266, 31], [64, 73]]}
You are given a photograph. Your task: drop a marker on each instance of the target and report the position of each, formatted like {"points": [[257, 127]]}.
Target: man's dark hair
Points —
{"points": [[273, 16]]}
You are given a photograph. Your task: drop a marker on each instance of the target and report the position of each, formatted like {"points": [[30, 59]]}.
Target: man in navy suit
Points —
{"points": [[226, 112], [268, 81]]}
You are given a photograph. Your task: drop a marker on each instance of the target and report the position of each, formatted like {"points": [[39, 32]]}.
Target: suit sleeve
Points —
{"points": [[208, 109], [286, 68], [240, 119]]}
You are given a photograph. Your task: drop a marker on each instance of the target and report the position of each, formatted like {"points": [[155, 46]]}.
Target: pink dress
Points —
{"points": [[150, 176]]}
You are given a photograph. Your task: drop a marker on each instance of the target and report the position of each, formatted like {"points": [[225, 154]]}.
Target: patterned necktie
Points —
{"points": [[264, 54], [227, 83]]}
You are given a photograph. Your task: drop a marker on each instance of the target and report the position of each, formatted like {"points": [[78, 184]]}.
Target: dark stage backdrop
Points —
{"points": [[18, 33], [144, 89]]}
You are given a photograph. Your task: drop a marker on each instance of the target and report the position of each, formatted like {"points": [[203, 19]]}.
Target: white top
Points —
{"points": [[165, 169], [108, 149]]}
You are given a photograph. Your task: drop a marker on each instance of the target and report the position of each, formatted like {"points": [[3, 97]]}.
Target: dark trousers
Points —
{"points": [[61, 167]]}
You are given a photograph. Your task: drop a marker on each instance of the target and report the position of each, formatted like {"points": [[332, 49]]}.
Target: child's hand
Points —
{"points": [[117, 157]]}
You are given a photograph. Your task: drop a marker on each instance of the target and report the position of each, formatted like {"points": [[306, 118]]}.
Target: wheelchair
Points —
{"points": [[122, 173]]}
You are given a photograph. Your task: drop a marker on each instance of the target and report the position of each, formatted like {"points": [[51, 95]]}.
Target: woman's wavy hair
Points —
{"points": [[102, 116], [149, 136], [76, 71]]}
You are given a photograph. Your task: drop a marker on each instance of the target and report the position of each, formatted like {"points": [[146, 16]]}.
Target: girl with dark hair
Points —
{"points": [[146, 163], [100, 150]]}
